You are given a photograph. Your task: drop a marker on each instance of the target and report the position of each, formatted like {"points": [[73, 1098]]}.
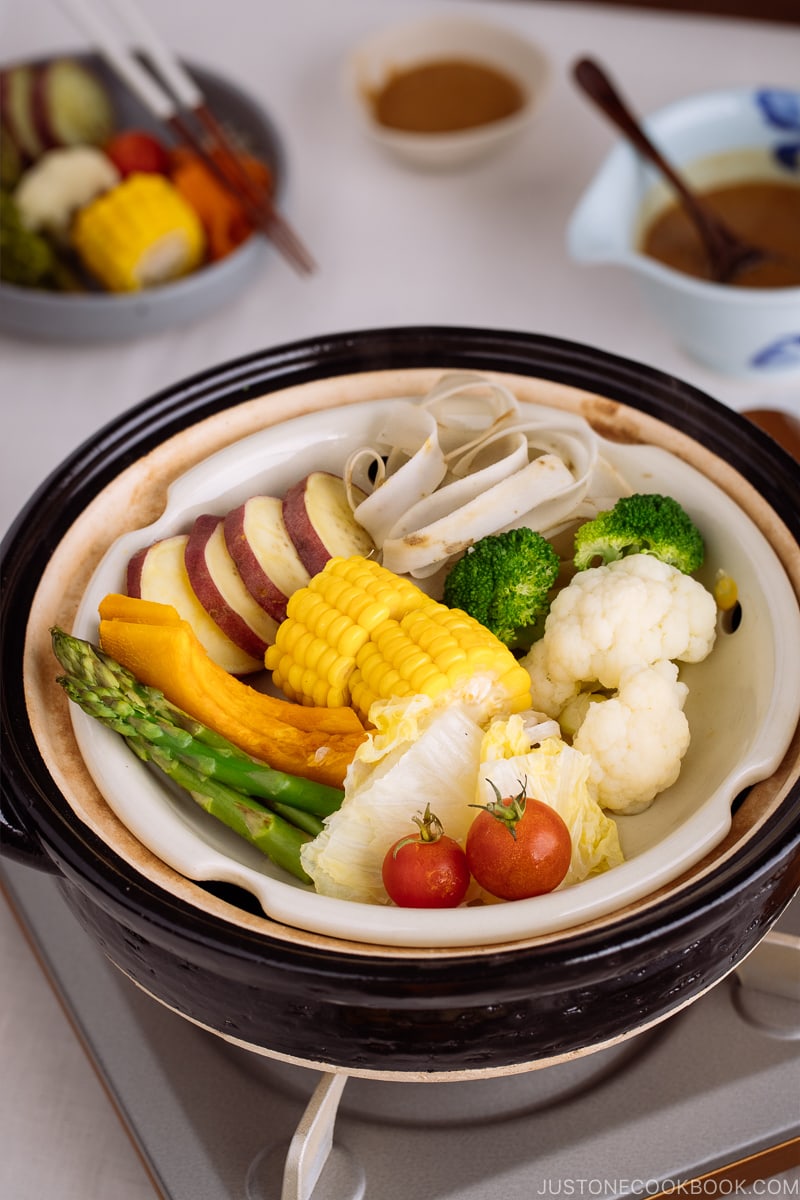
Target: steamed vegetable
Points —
{"points": [[418, 749], [135, 152], [609, 623], [181, 735], [10, 161], [358, 633], [58, 185], [442, 472], [26, 258], [161, 650], [518, 847], [221, 779], [636, 739], [446, 704], [17, 99], [634, 612], [62, 150], [425, 748], [70, 104], [426, 869], [140, 233], [557, 774], [504, 581], [643, 523], [62, 102], [225, 222]]}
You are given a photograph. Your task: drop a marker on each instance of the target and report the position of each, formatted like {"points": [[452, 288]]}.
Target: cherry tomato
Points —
{"points": [[136, 151], [518, 847], [426, 869]]}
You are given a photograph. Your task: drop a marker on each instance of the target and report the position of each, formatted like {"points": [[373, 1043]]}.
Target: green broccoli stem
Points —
{"points": [[276, 838], [111, 684]]}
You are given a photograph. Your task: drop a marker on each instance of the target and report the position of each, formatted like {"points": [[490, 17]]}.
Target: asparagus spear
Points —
{"points": [[113, 685], [220, 777], [276, 838]]}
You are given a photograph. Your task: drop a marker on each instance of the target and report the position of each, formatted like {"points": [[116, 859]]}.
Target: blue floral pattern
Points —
{"points": [[781, 109], [783, 353]]}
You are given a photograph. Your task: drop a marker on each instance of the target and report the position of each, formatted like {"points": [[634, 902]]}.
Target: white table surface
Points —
{"points": [[483, 246]]}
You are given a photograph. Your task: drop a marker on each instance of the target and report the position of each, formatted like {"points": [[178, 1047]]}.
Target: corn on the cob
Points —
{"points": [[358, 633], [140, 233]]}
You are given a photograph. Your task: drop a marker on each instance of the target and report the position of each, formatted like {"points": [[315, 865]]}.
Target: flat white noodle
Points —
{"points": [[398, 483], [365, 469], [467, 407], [453, 495], [408, 455], [460, 464], [421, 552]]}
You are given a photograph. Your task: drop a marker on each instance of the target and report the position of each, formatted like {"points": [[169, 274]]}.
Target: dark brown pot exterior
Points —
{"points": [[469, 1016], [464, 1014]]}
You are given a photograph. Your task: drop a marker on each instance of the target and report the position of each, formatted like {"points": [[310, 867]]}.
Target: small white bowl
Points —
{"points": [[715, 138], [380, 55]]}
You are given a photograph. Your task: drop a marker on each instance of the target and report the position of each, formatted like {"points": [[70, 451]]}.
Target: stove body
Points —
{"points": [[707, 1089]]}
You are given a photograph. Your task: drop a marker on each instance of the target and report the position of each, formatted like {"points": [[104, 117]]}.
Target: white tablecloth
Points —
{"points": [[483, 246]]}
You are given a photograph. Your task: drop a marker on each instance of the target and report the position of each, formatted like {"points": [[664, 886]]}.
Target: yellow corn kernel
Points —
{"points": [[409, 659], [140, 233], [517, 682], [726, 592], [426, 678], [318, 694], [298, 640], [294, 678], [351, 640], [307, 608], [385, 638]]}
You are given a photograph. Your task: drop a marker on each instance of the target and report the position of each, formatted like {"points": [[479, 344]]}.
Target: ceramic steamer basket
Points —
{"points": [[207, 948]]}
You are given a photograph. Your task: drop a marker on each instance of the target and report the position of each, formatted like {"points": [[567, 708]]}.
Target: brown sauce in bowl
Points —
{"points": [[764, 213], [446, 96]]}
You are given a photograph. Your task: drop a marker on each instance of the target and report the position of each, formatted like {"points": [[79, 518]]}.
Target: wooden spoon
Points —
{"points": [[728, 254]]}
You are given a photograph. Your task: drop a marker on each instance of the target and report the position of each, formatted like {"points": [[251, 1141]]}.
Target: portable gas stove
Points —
{"points": [[704, 1104]]}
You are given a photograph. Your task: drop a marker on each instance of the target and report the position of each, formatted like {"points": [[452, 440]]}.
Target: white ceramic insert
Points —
{"points": [[743, 706]]}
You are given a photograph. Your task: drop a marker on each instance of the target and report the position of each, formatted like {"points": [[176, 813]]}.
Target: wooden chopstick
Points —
{"points": [[257, 206], [170, 93]]}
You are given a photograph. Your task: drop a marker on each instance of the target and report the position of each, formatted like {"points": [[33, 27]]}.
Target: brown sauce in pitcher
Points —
{"points": [[765, 213], [445, 96]]}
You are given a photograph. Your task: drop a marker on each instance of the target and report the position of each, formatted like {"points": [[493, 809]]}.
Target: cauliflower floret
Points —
{"points": [[636, 740], [620, 628], [58, 184], [633, 612], [550, 695]]}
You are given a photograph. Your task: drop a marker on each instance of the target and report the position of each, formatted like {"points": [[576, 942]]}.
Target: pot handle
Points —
{"points": [[20, 845]]}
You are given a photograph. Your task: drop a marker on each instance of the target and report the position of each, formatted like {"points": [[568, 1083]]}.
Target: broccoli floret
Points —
{"points": [[29, 259], [504, 581], [26, 258], [641, 524]]}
